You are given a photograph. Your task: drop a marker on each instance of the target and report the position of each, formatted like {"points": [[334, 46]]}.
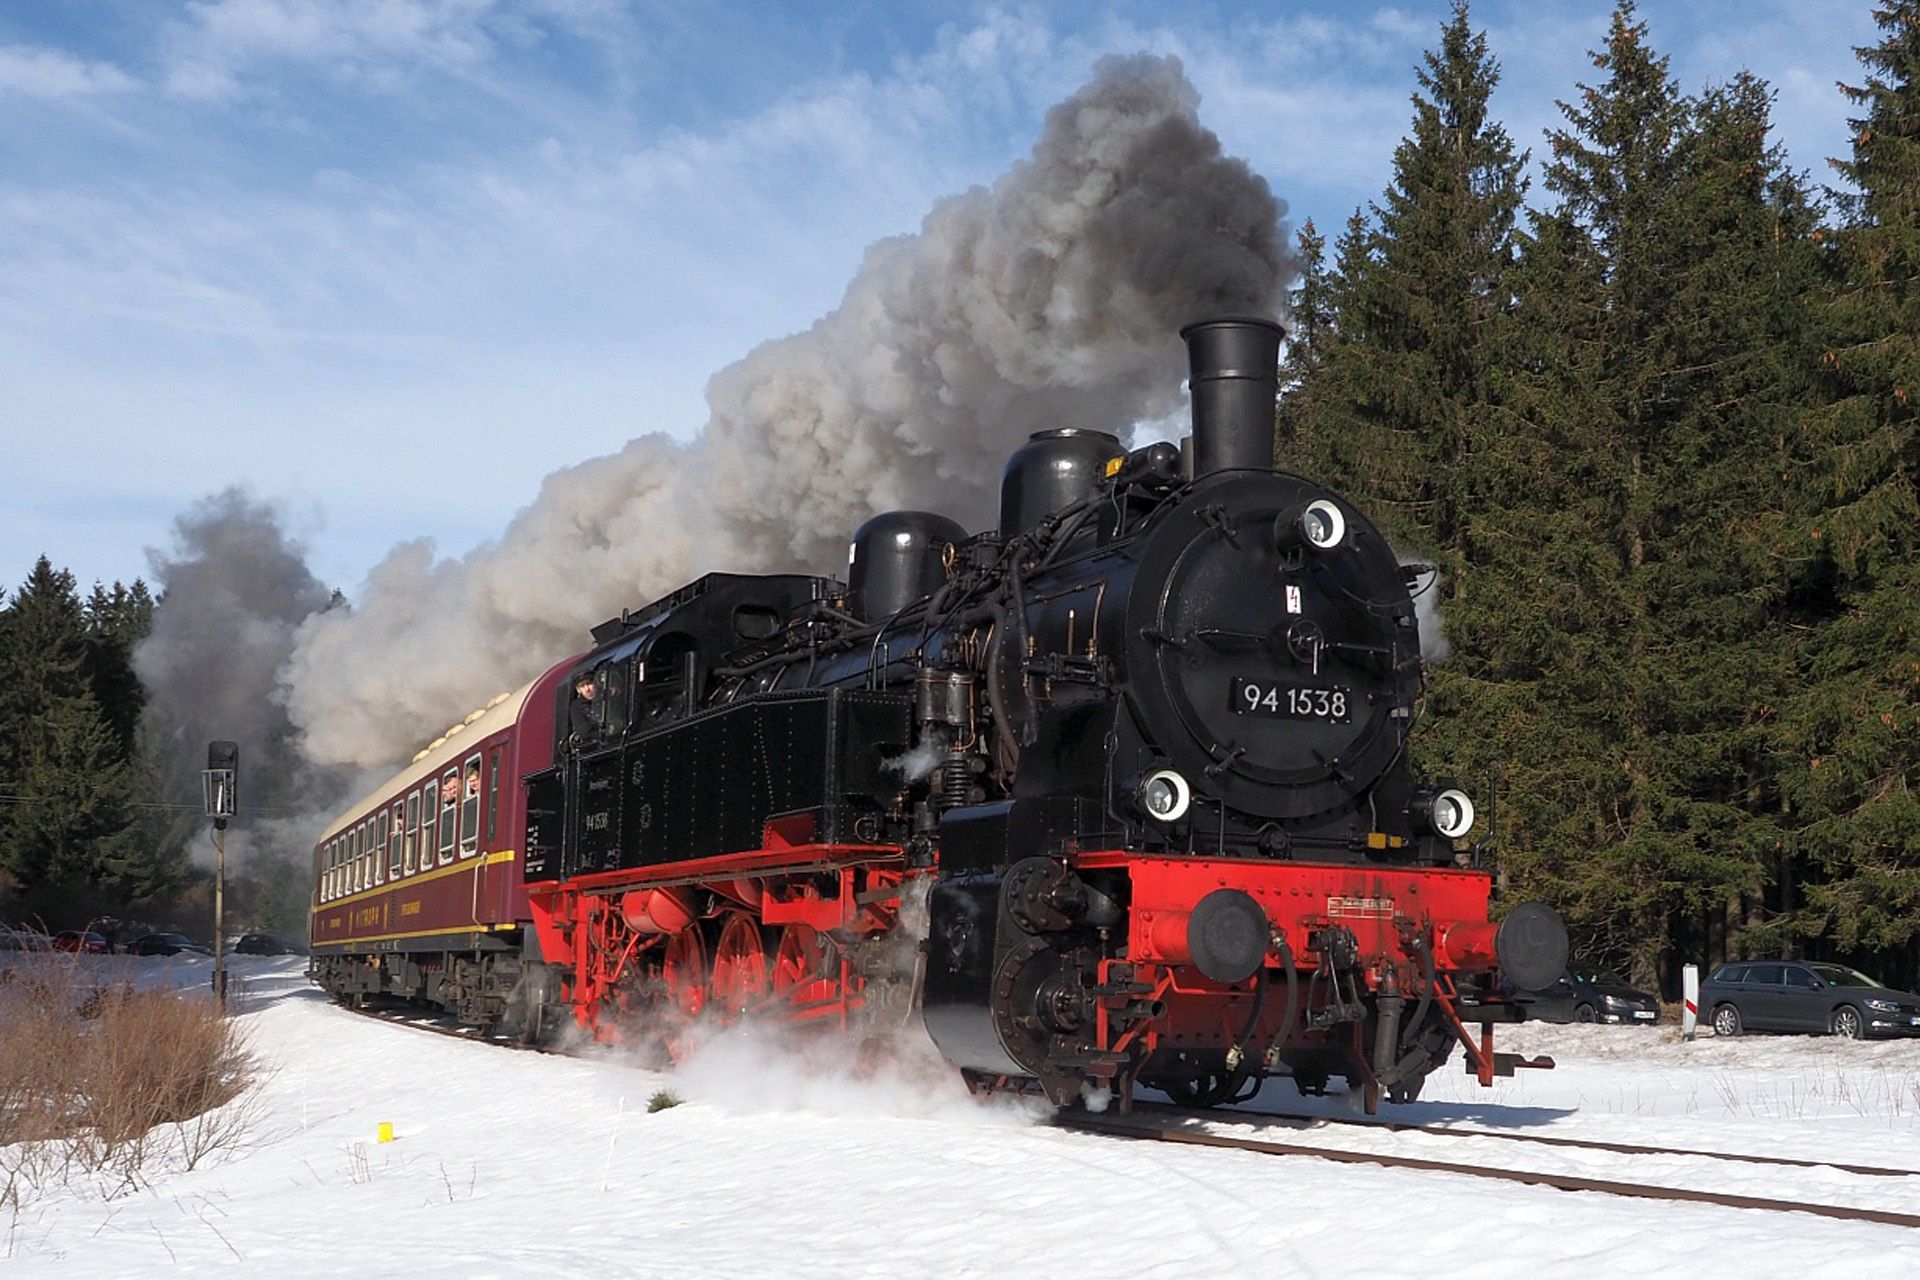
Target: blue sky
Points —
{"points": [[387, 263]]}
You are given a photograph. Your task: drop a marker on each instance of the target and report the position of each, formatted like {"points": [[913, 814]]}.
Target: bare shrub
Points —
{"points": [[101, 1080]]}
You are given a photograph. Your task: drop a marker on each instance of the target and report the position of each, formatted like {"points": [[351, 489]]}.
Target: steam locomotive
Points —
{"points": [[1114, 795]]}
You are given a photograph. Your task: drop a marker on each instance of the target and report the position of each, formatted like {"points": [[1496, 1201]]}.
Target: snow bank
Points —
{"points": [[509, 1164]]}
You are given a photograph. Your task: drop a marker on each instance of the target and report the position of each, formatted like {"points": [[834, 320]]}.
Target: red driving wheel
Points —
{"points": [[797, 967], [740, 971], [684, 971]]}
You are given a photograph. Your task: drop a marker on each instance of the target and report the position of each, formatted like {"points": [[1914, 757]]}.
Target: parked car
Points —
{"points": [[24, 940], [265, 944], [1592, 995], [1794, 995], [167, 944], [83, 941]]}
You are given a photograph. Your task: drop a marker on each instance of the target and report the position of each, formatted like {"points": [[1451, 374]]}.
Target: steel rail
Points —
{"points": [[1546, 1140], [1123, 1127]]}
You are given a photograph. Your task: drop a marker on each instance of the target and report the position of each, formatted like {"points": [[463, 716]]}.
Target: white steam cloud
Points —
{"points": [[1051, 299]]}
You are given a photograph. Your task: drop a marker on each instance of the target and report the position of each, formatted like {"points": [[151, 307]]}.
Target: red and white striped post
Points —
{"points": [[1689, 1000]]}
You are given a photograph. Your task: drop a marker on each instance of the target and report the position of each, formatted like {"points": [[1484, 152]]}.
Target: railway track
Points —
{"points": [[1281, 1119], [1162, 1123], [440, 1024], [1189, 1128]]}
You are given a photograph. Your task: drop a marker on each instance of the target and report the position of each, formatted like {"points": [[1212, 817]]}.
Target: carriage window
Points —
{"points": [[449, 812], [360, 877], [326, 872], [429, 805], [493, 796], [470, 806], [377, 835], [396, 832], [413, 829], [353, 861]]}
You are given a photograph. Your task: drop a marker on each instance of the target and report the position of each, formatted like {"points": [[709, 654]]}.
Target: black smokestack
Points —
{"points": [[1235, 381]]}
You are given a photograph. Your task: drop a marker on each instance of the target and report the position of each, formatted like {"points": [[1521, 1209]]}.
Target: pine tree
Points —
{"points": [[1311, 332], [1660, 298], [1310, 310], [1404, 396], [64, 765], [117, 620], [1851, 747]]}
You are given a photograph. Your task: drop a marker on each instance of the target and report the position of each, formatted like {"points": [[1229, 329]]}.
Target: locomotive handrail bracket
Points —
{"points": [[791, 860]]}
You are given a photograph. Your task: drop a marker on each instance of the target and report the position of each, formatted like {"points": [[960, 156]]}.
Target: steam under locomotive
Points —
{"points": [[1115, 794]]}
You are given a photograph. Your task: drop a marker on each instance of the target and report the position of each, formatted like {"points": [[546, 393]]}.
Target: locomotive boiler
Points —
{"points": [[1113, 795]]}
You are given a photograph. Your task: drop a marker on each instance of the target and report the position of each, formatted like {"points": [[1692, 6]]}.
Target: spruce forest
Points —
{"points": [[1654, 426], [1651, 418]]}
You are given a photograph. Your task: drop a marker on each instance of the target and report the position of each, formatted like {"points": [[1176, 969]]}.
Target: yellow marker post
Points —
{"points": [[386, 1131]]}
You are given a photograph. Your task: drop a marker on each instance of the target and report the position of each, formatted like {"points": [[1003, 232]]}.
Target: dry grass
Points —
{"points": [[105, 1081]]}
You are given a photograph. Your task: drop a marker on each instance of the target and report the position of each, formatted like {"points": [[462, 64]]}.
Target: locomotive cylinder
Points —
{"points": [[1235, 363]]}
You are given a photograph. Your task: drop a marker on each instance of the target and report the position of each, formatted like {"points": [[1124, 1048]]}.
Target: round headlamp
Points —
{"points": [[1319, 525], [1164, 795], [1450, 813]]}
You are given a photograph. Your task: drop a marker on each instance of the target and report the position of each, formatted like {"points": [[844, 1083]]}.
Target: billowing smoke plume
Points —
{"points": [[1050, 300], [234, 592]]}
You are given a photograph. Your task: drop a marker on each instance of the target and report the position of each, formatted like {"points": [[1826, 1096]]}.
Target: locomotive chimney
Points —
{"points": [[1235, 382]]}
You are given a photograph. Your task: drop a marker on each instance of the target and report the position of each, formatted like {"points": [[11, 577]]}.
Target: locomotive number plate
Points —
{"points": [[1288, 702]]}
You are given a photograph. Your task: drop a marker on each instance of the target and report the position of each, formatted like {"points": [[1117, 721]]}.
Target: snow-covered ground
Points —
{"points": [[513, 1164]]}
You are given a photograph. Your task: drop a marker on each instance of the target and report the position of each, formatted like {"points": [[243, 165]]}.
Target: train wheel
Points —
{"points": [[798, 968], [684, 972], [741, 977]]}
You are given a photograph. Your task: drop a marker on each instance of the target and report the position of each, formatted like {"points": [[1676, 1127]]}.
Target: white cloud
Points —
{"points": [[48, 73], [375, 41]]}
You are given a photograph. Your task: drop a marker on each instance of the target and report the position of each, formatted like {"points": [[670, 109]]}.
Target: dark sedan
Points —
{"points": [[265, 944], [1593, 995], [1793, 995], [167, 944]]}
